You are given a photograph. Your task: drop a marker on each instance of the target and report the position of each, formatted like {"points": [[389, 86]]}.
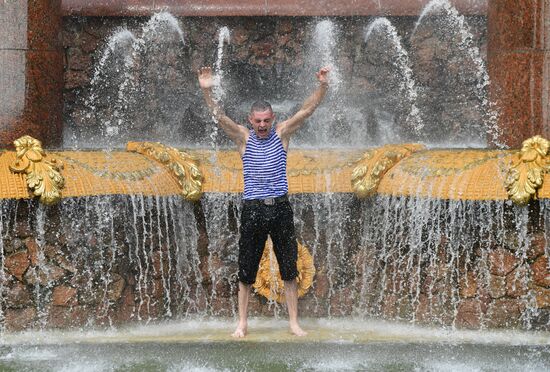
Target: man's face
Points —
{"points": [[261, 121]]}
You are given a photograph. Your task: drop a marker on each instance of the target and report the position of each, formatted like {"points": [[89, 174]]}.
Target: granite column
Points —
{"points": [[519, 67], [31, 71]]}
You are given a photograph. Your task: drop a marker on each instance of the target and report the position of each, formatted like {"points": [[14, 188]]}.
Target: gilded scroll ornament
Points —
{"points": [[268, 280], [375, 163], [43, 176], [182, 166], [526, 173]]}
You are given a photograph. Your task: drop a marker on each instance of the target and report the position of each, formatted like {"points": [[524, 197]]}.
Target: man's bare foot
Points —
{"points": [[297, 331], [241, 331]]}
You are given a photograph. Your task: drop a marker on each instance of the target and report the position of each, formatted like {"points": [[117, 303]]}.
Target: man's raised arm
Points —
{"points": [[236, 132], [288, 127]]}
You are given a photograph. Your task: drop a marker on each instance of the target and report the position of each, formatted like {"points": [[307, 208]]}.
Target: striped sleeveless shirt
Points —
{"points": [[264, 167]]}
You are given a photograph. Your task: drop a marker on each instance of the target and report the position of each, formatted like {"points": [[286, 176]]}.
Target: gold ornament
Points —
{"points": [[182, 166], [268, 279], [43, 176], [526, 173], [375, 163]]}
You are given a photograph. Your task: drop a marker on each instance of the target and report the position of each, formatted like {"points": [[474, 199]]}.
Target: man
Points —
{"points": [[266, 210]]}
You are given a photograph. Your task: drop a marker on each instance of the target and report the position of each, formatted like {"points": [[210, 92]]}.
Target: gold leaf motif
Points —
{"points": [[375, 163], [182, 165], [526, 173], [43, 176], [268, 279]]}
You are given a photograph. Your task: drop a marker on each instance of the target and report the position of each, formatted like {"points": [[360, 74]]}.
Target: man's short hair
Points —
{"points": [[260, 106]]}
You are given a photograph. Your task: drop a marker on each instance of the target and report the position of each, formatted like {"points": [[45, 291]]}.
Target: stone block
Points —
{"points": [[68, 317], [13, 245], [116, 287], [542, 297], [17, 295], [497, 286], [468, 285], [64, 296], [517, 282], [469, 314], [17, 264], [501, 262], [32, 249], [44, 275], [504, 313], [20, 319], [321, 284], [76, 79], [77, 60], [65, 264], [541, 271], [537, 246]]}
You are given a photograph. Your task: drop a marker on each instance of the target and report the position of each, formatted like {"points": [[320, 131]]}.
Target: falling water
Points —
{"points": [[100, 119], [142, 249], [454, 22], [2, 266], [322, 225], [335, 121], [218, 92], [137, 68], [222, 232], [401, 71], [419, 254]]}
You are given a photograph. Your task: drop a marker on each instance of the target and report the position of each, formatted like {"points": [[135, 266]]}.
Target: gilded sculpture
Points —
{"points": [[375, 163], [526, 174], [182, 166], [42, 175], [268, 280]]}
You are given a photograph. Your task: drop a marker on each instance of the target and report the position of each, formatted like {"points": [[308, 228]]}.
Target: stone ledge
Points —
{"points": [[260, 7]]}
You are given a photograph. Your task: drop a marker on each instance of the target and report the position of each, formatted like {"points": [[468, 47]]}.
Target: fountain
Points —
{"points": [[117, 240]]}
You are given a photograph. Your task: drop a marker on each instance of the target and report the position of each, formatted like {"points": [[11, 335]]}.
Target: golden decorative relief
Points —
{"points": [[526, 173], [375, 163], [43, 176], [268, 279], [182, 166], [135, 175], [438, 163]]}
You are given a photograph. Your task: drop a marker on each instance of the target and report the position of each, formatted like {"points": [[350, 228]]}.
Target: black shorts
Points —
{"points": [[257, 222]]}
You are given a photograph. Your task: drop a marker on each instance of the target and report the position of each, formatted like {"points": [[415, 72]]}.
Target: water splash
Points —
{"points": [[99, 115], [324, 43], [222, 231], [218, 91], [131, 69], [457, 23], [402, 68], [419, 255], [224, 36]]}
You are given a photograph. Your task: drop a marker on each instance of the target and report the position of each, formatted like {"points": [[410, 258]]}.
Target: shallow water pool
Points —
{"points": [[331, 345]]}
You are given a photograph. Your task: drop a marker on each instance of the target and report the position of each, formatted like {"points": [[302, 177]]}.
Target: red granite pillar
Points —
{"points": [[31, 71], [518, 62]]}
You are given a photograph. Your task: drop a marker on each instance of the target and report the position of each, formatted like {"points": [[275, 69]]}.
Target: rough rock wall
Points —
{"points": [[116, 259]]}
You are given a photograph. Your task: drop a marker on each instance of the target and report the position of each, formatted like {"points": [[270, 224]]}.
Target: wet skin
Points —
{"points": [[261, 122]]}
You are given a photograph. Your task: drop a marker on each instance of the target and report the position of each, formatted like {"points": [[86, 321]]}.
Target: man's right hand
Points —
{"points": [[206, 80]]}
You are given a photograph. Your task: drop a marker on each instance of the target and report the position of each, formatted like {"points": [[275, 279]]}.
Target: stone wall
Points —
{"points": [[462, 263], [110, 260]]}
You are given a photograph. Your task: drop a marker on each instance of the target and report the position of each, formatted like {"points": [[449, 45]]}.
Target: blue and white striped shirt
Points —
{"points": [[264, 167]]}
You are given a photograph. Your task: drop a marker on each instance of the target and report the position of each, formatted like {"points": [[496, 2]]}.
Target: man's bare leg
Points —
{"points": [[291, 294], [244, 294]]}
